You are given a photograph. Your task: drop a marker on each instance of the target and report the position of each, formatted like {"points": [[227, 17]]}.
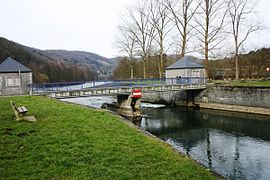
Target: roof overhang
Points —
{"points": [[7, 72], [186, 68]]}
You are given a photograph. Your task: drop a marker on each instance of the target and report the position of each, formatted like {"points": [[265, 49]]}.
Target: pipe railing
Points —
{"points": [[72, 86]]}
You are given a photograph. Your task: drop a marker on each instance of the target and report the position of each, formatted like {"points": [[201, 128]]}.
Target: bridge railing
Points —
{"points": [[71, 86]]}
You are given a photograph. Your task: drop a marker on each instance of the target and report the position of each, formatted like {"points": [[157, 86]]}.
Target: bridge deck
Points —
{"points": [[120, 90], [101, 88]]}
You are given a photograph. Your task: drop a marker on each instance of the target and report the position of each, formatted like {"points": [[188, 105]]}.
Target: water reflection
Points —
{"points": [[233, 144]]}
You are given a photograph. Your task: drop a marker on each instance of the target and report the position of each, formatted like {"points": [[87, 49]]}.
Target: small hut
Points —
{"points": [[15, 78], [186, 69]]}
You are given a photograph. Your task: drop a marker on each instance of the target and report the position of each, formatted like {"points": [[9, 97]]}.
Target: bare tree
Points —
{"points": [[183, 12], [210, 21], [139, 25], [160, 21], [240, 12], [126, 43]]}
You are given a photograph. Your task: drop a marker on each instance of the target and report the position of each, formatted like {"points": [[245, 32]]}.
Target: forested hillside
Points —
{"points": [[57, 65], [251, 65], [104, 66]]}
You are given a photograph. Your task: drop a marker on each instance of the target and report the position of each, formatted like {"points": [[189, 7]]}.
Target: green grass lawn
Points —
{"points": [[75, 142], [243, 83]]}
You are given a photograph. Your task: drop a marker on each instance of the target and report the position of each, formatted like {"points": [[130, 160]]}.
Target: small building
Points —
{"points": [[185, 69], [15, 78]]}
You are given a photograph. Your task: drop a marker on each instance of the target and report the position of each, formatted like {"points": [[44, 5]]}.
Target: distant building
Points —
{"points": [[185, 68], [15, 78]]}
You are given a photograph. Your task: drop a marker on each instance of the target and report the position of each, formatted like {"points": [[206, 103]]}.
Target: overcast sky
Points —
{"points": [[89, 25]]}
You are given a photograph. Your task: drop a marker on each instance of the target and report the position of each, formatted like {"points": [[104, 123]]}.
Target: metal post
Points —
{"points": [[31, 90], [20, 78]]}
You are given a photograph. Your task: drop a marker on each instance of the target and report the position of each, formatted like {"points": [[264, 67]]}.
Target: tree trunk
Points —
{"points": [[184, 36], [159, 67], [161, 63], [131, 71], [144, 69], [183, 50], [206, 60], [236, 59], [236, 67], [206, 43]]}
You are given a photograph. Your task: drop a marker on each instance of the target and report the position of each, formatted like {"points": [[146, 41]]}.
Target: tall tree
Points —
{"points": [[183, 12], [126, 43], [139, 25], [210, 21], [160, 21], [240, 13]]}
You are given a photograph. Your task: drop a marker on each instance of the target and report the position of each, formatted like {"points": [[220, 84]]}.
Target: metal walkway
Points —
{"points": [[112, 87]]}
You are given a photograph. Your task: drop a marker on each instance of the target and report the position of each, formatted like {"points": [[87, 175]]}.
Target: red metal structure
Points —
{"points": [[136, 93]]}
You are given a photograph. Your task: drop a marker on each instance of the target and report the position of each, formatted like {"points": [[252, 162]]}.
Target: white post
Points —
{"points": [[20, 82], [30, 84]]}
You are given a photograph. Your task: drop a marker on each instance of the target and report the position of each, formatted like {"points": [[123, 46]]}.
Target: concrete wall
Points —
{"points": [[229, 98], [232, 95], [178, 98], [167, 97], [173, 73], [21, 87]]}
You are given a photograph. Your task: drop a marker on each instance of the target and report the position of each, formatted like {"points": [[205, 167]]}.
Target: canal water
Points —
{"points": [[234, 145]]}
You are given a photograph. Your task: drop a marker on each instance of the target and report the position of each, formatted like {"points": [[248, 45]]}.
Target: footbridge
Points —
{"points": [[114, 87]]}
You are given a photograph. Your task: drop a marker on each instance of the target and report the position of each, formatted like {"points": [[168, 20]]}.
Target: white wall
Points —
{"points": [[20, 83], [173, 73]]}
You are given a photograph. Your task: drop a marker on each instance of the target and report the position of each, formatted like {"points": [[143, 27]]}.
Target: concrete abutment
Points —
{"points": [[228, 98]]}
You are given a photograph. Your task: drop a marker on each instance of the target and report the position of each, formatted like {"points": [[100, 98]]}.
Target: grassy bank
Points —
{"points": [[243, 83], [74, 142]]}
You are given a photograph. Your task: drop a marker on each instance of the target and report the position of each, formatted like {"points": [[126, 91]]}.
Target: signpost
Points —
{"points": [[136, 93]]}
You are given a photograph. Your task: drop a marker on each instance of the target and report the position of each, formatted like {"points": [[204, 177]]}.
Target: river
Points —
{"points": [[235, 145]]}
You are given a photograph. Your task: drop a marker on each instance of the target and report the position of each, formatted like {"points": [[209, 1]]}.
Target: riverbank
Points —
{"points": [[74, 142], [235, 108]]}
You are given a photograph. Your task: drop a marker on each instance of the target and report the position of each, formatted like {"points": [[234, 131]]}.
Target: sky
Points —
{"points": [[87, 25]]}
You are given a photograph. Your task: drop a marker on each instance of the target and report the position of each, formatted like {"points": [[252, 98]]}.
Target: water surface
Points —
{"points": [[235, 145]]}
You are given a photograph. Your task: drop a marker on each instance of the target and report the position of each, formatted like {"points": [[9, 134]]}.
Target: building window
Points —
{"points": [[195, 73], [13, 81]]}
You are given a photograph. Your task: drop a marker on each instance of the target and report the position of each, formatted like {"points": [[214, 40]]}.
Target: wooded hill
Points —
{"points": [[251, 65], [57, 65]]}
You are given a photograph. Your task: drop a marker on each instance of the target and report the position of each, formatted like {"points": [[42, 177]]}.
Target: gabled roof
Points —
{"points": [[186, 62], [10, 65]]}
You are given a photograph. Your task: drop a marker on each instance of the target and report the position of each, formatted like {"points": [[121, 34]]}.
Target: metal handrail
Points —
{"points": [[70, 86]]}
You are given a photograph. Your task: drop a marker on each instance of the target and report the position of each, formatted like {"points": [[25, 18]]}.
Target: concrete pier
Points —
{"points": [[127, 105]]}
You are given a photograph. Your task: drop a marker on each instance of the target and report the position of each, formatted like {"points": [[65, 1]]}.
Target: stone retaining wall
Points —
{"points": [[236, 95], [235, 108], [229, 98]]}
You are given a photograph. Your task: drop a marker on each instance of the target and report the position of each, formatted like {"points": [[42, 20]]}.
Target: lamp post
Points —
{"points": [[268, 72]]}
